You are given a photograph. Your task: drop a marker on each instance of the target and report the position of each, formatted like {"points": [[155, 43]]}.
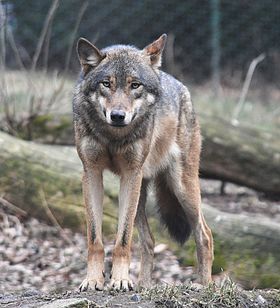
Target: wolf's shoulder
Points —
{"points": [[172, 87]]}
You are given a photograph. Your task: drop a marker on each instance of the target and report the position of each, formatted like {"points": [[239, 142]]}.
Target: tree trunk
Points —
{"points": [[38, 177]]}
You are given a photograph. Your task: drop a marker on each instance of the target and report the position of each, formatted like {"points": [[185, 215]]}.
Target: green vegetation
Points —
{"points": [[256, 113]]}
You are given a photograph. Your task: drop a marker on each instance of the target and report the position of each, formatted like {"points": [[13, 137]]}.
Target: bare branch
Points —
{"points": [[79, 18], [173, 68], [44, 32], [12, 207], [12, 42], [46, 50], [246, 86], [53, 218]]}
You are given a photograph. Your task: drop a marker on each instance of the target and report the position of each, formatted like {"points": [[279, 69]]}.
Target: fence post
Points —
{"points": [[215, 45]]}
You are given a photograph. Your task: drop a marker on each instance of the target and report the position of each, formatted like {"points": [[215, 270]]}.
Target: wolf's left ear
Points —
{"points": [[154, 50], [88, 54]]}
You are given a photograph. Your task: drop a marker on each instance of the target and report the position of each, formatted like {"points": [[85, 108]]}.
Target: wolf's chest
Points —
{"points": [[164, 150], [160, 158]]}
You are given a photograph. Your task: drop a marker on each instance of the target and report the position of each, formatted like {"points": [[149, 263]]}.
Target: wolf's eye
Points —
{"points": [[135, 85], [106, 83]]}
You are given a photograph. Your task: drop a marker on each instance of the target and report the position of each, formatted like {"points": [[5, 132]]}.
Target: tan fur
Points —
{"points": [[163, 146]]}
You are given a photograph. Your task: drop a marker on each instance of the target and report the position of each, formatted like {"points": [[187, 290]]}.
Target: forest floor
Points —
{"points": [[39, 266]]}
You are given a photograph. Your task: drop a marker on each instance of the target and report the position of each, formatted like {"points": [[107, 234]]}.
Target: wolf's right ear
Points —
{"points": [[154, 50], [88, 54]]}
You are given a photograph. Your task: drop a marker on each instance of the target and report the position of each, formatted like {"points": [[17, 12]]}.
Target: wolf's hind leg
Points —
{"points": [[188, 192], [204, 248], [147, 241], [189, 196]]}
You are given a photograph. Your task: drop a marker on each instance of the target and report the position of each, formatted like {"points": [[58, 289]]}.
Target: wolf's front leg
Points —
{"points": [[93, 195], [130, 186]]}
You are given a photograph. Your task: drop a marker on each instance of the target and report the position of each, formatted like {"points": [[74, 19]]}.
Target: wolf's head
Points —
{"points": [[120, 82]]}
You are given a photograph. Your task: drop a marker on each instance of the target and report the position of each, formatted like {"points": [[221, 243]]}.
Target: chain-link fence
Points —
{"points": [[211, 39]]}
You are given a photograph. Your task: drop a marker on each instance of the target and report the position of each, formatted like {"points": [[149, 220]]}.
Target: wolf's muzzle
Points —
{"points": [[118, 117]]}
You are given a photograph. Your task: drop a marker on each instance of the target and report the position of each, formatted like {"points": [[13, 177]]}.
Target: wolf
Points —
{"points": [[139, 122]]}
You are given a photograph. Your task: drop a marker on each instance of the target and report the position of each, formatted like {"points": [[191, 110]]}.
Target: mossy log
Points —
{"points": [[33, 175], [245, 156]]}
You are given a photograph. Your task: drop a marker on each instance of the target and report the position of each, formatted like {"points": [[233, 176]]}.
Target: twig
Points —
{"points": [[12, 42], [44, 32], [55, 94], [46, 49], [11, 39], [53, 218], [79, 18], [11, 206], [169, 51], [173, 68], [246, 86]]}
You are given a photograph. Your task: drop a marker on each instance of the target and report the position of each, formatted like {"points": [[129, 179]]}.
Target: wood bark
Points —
{"points": [[244, 156]]}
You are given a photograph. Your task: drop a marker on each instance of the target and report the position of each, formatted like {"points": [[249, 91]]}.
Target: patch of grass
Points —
{"points": [[229, 295], [27, 98], [259, 111]]}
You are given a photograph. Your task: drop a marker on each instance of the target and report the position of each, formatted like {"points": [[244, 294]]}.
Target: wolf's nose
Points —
{"points": [[117, 116]]}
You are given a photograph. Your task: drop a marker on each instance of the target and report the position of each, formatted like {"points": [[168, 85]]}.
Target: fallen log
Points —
{"points": [[241, 155], [33, 175]]}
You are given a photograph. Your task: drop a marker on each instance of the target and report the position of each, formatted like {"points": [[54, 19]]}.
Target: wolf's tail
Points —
{"points": [[171, 211]]}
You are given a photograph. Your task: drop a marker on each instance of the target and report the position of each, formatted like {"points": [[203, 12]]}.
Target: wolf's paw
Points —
{"points": [[92, 284], [121, 284]]}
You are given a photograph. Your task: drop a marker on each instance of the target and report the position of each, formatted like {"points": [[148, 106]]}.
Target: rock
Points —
{"points": [[29, 293], [261, 301], [68, 303], [160, 248], [196, 287], [136, 298]]}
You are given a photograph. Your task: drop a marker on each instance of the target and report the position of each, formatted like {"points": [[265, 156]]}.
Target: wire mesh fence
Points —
{"points": [[210, 37]]}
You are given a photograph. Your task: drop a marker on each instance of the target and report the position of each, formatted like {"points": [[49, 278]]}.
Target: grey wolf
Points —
{"points": [[137, 121]]}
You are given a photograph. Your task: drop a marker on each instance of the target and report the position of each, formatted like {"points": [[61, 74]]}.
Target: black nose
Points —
{"points": [[117, 117]]}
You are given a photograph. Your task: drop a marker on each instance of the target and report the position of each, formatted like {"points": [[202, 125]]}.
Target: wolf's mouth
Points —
{"points": [[118, 124]]}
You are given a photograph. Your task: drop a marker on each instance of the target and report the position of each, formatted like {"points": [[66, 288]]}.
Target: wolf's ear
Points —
{"points": [[154, 50], [88, 54]]}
